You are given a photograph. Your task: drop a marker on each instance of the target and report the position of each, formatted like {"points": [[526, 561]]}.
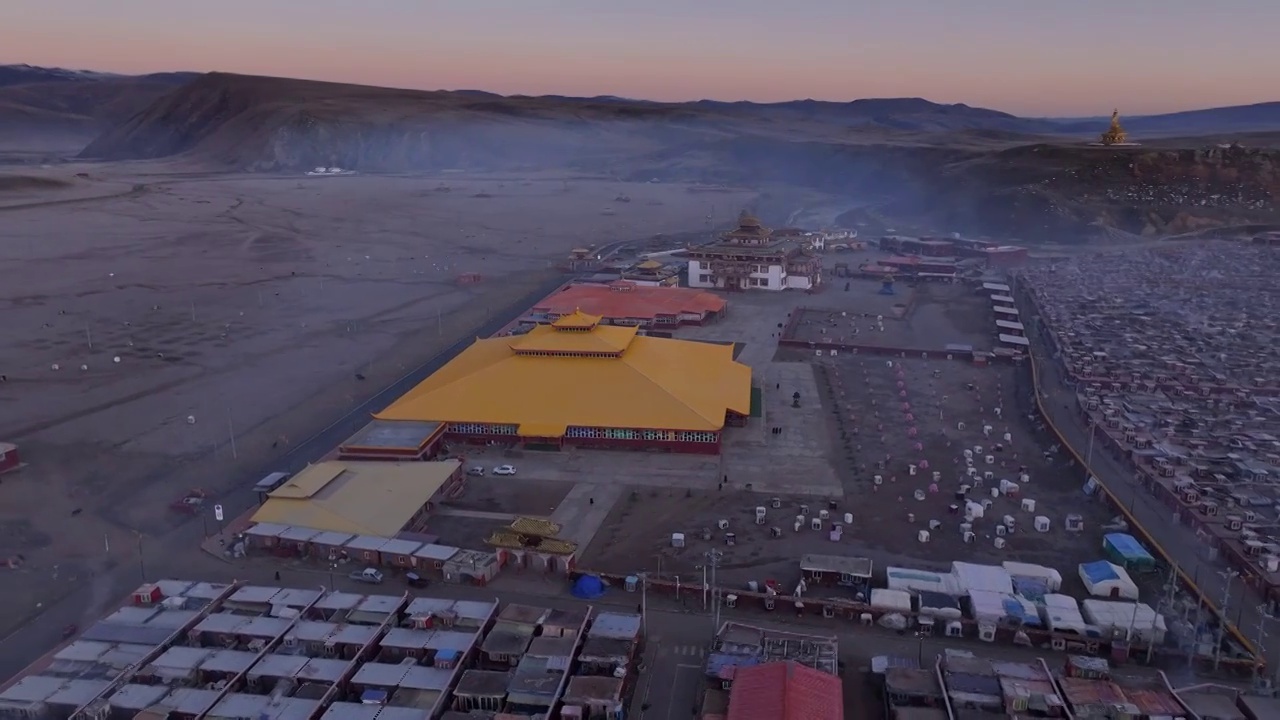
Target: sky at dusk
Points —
{"points": [[1030, 57]]}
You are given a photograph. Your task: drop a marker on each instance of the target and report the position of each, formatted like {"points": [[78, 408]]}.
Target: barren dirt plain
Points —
{"points": [[201, 325]]}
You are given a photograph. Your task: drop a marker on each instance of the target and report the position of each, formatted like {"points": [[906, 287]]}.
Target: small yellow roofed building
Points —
{"points": [[578, 382], [362, 497]]}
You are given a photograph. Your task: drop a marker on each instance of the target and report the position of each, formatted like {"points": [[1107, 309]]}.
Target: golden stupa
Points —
{"points": [[1115, 135]]}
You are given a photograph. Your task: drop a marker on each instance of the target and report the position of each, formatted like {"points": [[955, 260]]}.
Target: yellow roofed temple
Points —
{"points": [[577, 381]]}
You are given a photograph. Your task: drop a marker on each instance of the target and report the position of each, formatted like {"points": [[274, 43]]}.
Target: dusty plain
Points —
{"points": [[247, 313]]}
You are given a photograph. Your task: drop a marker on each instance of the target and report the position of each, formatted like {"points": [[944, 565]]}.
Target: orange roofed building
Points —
{"points": [[625, 303], [578, 382], [785, 691]]}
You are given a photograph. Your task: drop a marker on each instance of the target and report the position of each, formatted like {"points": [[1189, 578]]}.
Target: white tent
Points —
{"points": [[1139, 619], [1062, 614], [913, 580], [988, 578], [1052, 578], [892, 600], [1108, 580]]}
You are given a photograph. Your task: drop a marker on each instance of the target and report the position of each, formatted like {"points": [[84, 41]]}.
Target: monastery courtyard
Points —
{"points": [[622, 507], [578, 488]]}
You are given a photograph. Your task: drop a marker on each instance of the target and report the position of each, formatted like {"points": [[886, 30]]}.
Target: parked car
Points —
{"points": [[372, 576], [415, 580], [476, 471], [505, 470]]}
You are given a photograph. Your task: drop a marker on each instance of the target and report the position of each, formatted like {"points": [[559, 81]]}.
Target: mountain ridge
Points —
{"points": [[949, 167]]}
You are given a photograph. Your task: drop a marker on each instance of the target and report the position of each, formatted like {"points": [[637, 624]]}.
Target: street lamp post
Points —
{"points": [[713, 559]]}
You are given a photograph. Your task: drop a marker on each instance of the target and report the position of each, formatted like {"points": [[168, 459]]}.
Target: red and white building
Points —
{"points": [[751, 257]]}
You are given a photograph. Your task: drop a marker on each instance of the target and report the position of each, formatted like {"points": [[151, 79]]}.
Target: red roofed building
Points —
{"points": [[625, 303], [785, 691]]}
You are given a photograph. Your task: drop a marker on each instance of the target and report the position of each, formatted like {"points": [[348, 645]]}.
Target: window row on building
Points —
{"points": [[567, 353], [683, 436], [594, 433], [483, 429]]}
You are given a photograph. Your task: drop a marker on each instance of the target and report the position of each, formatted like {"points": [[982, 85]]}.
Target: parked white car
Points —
{"points": [[476, 471], [505, 470]]}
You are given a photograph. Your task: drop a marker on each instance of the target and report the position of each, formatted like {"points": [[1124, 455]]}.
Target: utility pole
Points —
{"points": [[1263, 617], [1195, 640], [644, 604], [1222, 615], [1088, 455], [142, 564], [1166, 603], [713, 560]]}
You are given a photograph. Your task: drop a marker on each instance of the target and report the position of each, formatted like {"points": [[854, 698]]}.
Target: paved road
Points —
{"points": [[28, 643], [1156, 518]]}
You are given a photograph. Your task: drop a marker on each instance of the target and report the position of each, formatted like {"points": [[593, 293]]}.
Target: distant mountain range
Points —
{"points": [[31, 74], [957, 167], [30, 95]]}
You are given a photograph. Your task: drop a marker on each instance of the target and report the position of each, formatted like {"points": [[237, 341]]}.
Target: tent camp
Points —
{"points": [[1107, 580]]}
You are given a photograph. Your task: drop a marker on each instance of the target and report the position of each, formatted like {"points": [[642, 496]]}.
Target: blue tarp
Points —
{"points": [[720, 664], [1126, 551], [588, 587], [1099, 571], [1031, 588], [1016, 611]]}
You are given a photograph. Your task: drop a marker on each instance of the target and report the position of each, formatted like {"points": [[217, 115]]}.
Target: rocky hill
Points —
{"points": [[948, 167], [38, 102]]}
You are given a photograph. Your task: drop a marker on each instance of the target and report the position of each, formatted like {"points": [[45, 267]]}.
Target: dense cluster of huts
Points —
{"points": [[1172, 353], [960, 684], [225, 652]]}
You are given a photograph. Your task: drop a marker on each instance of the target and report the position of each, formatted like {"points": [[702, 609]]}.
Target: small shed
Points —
{"points": [[430, 559], [471, 566], [264, 536], [481, 690], [598, 696], [850, 572]]}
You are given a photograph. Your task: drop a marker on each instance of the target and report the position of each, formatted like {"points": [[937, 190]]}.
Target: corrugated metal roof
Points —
{"points": [[359, 498], [785, 691]]}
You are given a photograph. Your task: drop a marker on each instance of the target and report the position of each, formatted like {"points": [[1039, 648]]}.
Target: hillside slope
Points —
{"points": [[38, 102], [979, 179]]}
